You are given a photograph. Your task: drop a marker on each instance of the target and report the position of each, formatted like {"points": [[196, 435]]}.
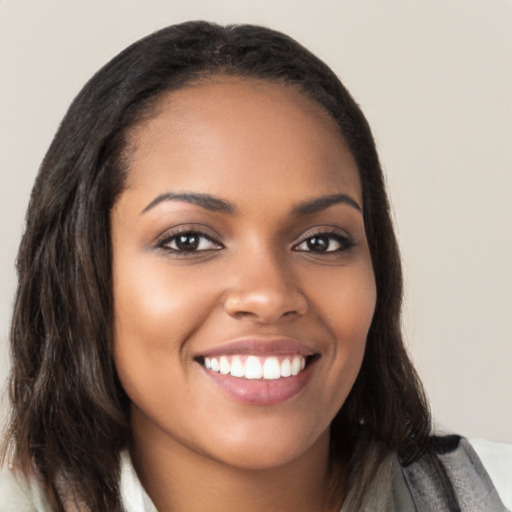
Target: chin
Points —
{"points": [[263, 452]]}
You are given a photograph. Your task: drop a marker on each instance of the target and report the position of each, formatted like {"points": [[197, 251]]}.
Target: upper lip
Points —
{"points": [[260, 346]]}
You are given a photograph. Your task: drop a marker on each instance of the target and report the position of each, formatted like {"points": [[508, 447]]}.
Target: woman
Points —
{"points": [[208, 312]]}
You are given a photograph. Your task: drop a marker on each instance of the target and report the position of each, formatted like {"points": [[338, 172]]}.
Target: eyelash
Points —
{"points": [[344, 241], [168, 240]]}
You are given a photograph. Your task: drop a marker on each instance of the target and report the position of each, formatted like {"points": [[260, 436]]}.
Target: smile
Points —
{"points": [[256, 367], [259, 371]]}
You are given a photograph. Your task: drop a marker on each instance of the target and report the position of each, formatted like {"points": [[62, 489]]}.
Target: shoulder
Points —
{"points": [[497, 460], [451, 474], [19, 494]]}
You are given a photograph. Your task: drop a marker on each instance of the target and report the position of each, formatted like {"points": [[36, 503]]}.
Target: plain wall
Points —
{"points": [[434, 79]]}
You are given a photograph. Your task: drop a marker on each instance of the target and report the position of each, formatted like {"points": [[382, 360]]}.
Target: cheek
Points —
{"points": [[357, 306], [346, 306], [156, 310], [156, 304], [346, 302]]}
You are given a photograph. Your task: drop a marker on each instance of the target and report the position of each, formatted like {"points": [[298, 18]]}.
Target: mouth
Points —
{"points": [[256, 367], [262, 372]]}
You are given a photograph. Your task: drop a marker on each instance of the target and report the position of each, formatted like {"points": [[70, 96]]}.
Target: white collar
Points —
{"points": [[133, 496]]}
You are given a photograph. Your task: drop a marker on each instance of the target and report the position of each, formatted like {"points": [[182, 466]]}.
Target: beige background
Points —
{"points": [[435, 80]]}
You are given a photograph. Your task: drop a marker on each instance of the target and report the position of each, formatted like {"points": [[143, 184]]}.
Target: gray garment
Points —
{"points": [[452, 479], [448, 478], [402, 498]]}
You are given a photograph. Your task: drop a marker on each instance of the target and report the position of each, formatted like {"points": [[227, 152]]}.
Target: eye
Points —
{"points": [[326, 243], [188, 242]]}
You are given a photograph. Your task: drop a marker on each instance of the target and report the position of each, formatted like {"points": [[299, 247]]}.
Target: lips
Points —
{"points": [[257, 371]]}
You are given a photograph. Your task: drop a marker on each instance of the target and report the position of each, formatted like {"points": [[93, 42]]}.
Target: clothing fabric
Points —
{"points": [[450, 477], [459, 483]]}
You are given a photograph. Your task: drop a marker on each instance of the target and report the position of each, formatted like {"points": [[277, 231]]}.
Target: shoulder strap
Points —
{"points": [[450, 477]]}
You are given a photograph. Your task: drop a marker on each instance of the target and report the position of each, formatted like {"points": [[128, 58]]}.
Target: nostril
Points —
{"points": [[242, 314], [263, 303]]}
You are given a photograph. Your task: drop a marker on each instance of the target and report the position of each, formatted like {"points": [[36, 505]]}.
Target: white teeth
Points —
{"points": [[224, 365], [268, 368], [253, 369], [286, 368], [237, 367], [271, 368], [296, 365]]}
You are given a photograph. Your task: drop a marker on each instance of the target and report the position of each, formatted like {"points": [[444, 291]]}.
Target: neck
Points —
{"points": [[179, 479]]}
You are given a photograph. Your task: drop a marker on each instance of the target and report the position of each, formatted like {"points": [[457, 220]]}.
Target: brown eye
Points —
{"points": [[318, 243], [189, 242], [326, 243]]}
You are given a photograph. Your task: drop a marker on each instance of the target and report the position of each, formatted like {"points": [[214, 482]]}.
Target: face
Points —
{"points": [[243, 284]]}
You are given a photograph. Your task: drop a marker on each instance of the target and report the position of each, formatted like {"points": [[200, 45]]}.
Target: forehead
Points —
{"points": [[227, 135]]}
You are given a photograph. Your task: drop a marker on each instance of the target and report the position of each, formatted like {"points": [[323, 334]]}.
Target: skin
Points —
{"points": [[264, 148]]}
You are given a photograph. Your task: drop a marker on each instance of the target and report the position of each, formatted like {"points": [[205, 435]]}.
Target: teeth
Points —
{"points": [[224, 365], [286, 368], [215, 365], [254, 367], [271, 368], [296, 365], [237, 367]]}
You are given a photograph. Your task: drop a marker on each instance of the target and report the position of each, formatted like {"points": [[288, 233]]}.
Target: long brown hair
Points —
{"points": [[69, 412]]}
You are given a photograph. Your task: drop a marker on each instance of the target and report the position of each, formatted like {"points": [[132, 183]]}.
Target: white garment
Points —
{"points": [[17, 495], [497, 460], [133, 496]]}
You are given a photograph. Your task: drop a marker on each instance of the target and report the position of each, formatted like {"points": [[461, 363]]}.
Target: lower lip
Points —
{"points": [[261, 391]]}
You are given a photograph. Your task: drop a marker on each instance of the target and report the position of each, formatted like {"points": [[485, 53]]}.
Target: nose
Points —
{"points": [[265, 291]]}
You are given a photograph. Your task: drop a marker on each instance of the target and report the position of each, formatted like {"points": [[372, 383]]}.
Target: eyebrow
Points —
{"points": [[214, 204], [324, 202], [206, 201]]}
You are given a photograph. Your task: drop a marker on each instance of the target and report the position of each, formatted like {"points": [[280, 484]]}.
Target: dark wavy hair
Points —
{"points": [[69, 417]]}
